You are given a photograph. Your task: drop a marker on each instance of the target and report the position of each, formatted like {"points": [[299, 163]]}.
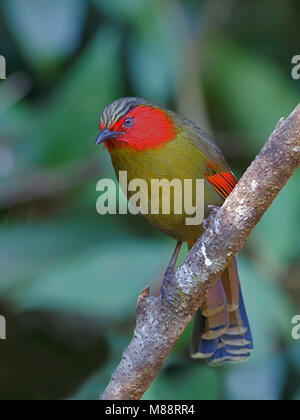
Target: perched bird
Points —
{"points": [[153, 143]]}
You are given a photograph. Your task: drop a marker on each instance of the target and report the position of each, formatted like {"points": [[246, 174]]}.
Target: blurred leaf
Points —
{"points": [[252, 90], [65, 127], [91, 389], [94, 386], [260, 381], [269, 311], [155, 49], [294, 356], [277, 234], [190, 381], [48, 30], [297, 396], [14, 88], [71, 122], [129, 10], [147, 58], [47, 356], [41, 245], [183, 344], [104, 281]]}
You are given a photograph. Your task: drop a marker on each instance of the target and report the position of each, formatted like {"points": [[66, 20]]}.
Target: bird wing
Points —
{"points": [[218, 172], [222, 182]]}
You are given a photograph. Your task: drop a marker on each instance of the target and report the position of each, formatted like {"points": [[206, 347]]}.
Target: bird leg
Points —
{"points": [[212, 212], [169, 274]]}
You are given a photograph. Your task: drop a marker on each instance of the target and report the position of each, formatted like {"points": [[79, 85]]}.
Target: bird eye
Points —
{"points": [[128, 122]]}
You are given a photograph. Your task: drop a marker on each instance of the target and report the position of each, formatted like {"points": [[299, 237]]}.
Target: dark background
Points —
{"points": [[69, 279]]}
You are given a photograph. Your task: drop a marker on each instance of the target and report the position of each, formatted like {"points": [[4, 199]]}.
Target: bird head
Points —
{"points": [[135, 123]]}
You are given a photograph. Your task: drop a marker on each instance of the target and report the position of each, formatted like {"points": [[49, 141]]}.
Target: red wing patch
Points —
{"points": [[223, 183]]}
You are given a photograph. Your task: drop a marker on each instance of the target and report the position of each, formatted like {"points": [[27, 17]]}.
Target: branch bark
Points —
{"points": [[160, 324]]}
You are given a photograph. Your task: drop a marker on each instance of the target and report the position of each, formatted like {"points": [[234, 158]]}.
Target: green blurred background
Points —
{"points": [[69, 279]]}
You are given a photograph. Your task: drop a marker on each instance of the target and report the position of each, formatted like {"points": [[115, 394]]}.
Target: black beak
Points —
{"points": [[106, 135]]}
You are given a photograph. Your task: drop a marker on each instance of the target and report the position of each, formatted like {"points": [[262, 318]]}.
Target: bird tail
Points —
{"points": [[221, 328]]}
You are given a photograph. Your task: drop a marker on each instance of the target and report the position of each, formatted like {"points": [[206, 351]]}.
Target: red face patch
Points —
{"points": [[142, 128]]}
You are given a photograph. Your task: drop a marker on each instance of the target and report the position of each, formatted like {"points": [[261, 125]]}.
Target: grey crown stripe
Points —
{"points": [[117, 109]]}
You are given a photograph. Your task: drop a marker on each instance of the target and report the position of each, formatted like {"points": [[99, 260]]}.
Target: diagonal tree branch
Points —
{"points": [[160, 324]]}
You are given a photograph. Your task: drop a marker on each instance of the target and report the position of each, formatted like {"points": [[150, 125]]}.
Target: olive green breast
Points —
{"points": [[178, 159]]}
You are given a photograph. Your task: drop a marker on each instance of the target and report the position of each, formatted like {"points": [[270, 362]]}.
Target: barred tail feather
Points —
{"points": [[222, 333]]}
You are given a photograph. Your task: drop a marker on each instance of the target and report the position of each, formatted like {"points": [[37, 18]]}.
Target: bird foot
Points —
{"points": [[212, 212]]}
